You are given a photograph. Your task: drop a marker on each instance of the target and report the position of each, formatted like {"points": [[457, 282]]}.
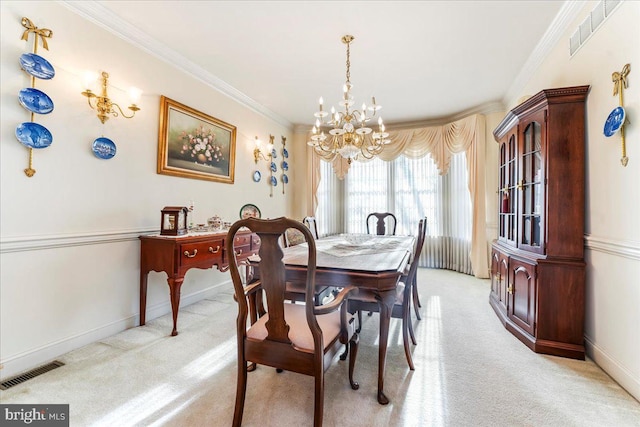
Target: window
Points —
{"points": [[411, 189]]}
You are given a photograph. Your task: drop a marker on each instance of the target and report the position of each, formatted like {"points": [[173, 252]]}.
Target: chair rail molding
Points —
{"points": [[623, 248], [32, 243]]}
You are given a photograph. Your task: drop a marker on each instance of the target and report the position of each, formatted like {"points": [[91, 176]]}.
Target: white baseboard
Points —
{"points": [[621, 375], [39, 356]]}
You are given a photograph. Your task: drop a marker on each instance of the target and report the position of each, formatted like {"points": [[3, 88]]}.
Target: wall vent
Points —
{"points": [[592, 22], [19, 379]]}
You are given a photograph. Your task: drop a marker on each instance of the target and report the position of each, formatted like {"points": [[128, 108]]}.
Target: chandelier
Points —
{"points": [[349, 136]]}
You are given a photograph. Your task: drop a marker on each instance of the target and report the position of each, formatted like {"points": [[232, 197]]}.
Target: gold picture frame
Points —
{"points": [[194, 145]]}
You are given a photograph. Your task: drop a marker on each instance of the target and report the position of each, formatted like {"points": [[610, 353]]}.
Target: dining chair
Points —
{"points": [[292, 337], [365, 300], [310, 222], [296, 291], [381, 224], [414, 286]]}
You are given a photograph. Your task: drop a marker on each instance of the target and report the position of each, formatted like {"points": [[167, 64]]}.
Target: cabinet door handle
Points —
{"points": [[239, 252], [188, 255], [510, 289], [214, 251]]}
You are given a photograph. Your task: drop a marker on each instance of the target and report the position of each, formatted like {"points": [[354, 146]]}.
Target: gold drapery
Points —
{"points": [[441, 142]]}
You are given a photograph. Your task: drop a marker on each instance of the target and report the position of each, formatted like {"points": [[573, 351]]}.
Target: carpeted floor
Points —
{"points": [[469, 372]]}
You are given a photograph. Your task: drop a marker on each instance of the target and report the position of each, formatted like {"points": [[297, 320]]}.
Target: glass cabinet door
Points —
{"points": [[531, 186], [507, 191]]}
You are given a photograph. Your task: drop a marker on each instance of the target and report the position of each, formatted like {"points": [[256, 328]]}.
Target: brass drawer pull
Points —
{"points": [[214, 251], [186, 253]]}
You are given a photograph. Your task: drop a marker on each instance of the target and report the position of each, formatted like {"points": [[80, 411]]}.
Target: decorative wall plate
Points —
{"points": [[285, 166], [273, 166], [285, 153], [34, 135], [274, 181], [250, 211], [256, 176], [285, 179], [614, 121], [37, 66], [104, 148], [35, 100]]}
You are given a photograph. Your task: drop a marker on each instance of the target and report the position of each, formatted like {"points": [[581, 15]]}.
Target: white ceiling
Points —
{"points": [[422, 60]]}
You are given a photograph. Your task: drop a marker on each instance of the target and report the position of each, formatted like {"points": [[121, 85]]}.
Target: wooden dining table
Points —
{"points": [[374, 262]]}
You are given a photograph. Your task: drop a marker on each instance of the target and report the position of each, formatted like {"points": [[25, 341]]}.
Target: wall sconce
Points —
{"points": [[103, 104], [257, 152]]}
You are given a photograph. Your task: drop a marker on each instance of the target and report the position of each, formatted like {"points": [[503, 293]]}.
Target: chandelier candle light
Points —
{"points": [[348, 136]]}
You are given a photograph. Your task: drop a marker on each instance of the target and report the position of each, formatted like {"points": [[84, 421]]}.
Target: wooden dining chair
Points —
{"points": [[292, 337], [296, 291], [381, 224], [415, 297], [365, 300], [310, 222]]}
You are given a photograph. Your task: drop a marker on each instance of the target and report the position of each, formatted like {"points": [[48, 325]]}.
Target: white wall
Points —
{"points": [[612, 328], [69, 258]]}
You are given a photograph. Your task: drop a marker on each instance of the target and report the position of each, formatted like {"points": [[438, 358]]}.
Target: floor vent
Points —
{"points": [[597, 16], [18, 379]]}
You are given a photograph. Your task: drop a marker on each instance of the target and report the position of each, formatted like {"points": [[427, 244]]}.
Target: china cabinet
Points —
{"points": [[537, 261]]}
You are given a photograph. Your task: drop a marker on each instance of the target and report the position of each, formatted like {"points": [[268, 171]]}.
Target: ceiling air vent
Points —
{"points": [[19, 379], [597, 16]]}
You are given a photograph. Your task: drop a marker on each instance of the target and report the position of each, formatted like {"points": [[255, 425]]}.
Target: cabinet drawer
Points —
{"points": [[242, 240], [201, 253], [242, 252]]}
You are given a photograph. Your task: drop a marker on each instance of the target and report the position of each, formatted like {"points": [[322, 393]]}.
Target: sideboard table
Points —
{"points": [[175, 255]]}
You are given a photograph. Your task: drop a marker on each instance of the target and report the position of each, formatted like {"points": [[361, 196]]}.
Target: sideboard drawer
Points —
{"points": [[205, 253], [242, 240]]}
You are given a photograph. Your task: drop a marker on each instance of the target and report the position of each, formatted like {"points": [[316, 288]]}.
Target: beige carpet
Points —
{"points": [[469, 372]]}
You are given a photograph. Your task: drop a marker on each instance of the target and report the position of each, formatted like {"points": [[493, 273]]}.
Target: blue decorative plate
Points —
{"points": [[104, 148], [285, 166], [274, 181], [273, 153], [285, 179], [285, 153], [37, 66], [257, 176], [614, 121], [35, 100], [274, 168], [34, 135]]}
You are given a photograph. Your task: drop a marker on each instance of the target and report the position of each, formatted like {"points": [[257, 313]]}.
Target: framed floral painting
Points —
{"points": [[192, 144]]}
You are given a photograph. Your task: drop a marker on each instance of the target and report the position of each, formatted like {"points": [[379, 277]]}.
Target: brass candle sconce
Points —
{"points": [[617, 118], [103, 105]]}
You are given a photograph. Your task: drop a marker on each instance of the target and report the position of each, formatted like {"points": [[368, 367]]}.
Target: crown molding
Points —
{"points": [[567, 14], [104, 18]]}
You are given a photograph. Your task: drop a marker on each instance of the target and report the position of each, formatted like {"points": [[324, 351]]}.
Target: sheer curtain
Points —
{"points": [[411, 189], [441, 143]]}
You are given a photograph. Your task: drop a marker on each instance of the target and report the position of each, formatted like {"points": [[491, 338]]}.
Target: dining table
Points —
{"points": [[368, 262]]}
